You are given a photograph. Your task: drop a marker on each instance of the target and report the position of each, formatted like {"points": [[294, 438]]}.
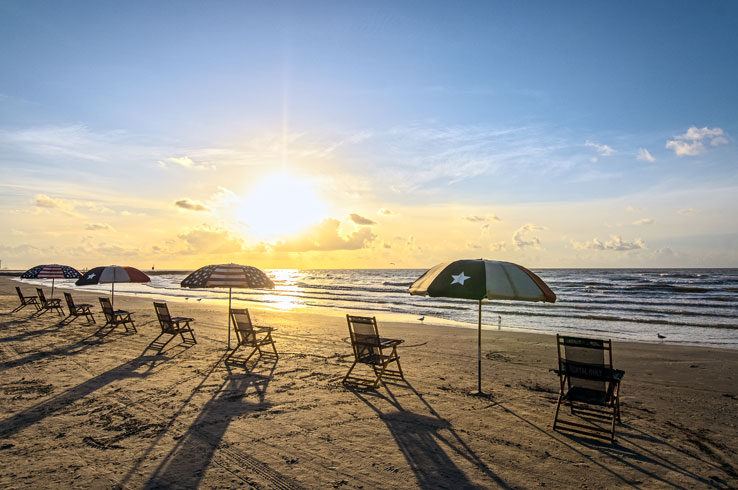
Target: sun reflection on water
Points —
{"points": [[283, 296]]}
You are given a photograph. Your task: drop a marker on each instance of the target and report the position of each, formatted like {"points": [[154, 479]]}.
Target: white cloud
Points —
{"points": [[693, 141], [645, 156], [185, 162], [603, 150], [688, 211], [498, 247], [616, 244], [324, 236], [644, 221], [98, 227], [522, 239], [385, 212]]}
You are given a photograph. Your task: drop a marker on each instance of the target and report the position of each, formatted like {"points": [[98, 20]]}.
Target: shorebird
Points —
{"points": [[421, 319], [199, 299], [661, 337]]}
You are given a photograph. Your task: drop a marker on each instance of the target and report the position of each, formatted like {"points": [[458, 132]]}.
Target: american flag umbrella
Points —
{"points": [[110, 274], [53, 272], [228, 276], [480, 279]]}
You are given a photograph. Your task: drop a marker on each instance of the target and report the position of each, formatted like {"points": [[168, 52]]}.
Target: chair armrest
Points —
{"points": [[389, 342], [264, 329], [558, 372], [122, 312], [182, 319], [617, 375]]}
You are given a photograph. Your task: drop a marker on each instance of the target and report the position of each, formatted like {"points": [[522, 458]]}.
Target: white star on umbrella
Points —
{"points": [[93, 275], [459, 278]]}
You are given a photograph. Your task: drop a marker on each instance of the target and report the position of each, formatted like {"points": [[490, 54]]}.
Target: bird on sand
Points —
{"points": [[421, 319], [661, 337], [199, 299]]}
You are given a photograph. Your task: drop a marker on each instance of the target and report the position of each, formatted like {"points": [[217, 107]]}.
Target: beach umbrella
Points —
{"points": [[110, 274], [53, 272], [228, 276], [480, 279]]}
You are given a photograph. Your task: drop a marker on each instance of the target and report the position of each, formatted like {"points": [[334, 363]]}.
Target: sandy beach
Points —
{"points": [[83, 412]]}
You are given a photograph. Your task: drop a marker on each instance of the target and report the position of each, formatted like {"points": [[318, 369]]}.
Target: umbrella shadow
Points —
{"points": [[627, 450], [186, 463], [38, 412], [426, 441]]}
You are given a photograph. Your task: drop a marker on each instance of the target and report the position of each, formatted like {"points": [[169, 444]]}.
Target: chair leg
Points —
{"points": [[556, 414], [349, 372]]}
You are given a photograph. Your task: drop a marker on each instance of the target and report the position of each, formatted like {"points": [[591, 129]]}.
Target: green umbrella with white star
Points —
{"points": [[480, 279]]}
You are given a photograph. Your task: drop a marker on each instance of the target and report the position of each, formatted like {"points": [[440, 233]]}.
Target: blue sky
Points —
{"points": [[558, 126]]}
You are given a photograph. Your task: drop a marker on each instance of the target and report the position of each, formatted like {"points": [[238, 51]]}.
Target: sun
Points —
{"points": [[281, 205]]}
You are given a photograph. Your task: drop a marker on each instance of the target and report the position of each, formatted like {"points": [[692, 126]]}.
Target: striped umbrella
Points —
{"points": [[53, 272], [228, 276], [482, 279], [111, 274]]}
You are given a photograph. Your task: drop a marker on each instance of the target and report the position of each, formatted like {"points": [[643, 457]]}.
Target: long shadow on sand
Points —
{"points": [[628, 450], [140, 367], [424, 441], [186, 463]]}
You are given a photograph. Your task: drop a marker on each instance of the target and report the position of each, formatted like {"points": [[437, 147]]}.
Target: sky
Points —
{"points": [[368, 134]]}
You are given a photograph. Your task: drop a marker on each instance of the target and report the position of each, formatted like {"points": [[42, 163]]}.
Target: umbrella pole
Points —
{"points": [[479, 391], [52, 288], [229, 318], [112, 295]]}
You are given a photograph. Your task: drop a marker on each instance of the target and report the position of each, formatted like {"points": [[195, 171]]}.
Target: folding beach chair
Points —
{"points": [[586, 376], [114, 318], [250, 336], [369, 348], [48, 305], [25, 301], [171, 326], [78, 310]]}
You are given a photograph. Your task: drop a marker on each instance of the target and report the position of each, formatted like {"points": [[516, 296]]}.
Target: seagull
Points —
{"points": [[199, 299], [661, 337], [187, 299], [421, 319]]}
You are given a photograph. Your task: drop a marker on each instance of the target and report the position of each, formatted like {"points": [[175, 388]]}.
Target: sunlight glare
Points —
{"points": [[280, 205]]}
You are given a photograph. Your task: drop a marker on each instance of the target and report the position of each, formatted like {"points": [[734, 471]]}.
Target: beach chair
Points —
{"points": [[25, 301], [586, 376], [372, 350], [50, 304], [114, 318], [78, 310], [171, 326], [251, 337]]}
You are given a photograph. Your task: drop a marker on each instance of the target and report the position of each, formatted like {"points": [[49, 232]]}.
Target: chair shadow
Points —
{"points": [[38, 412], [186, 463], [627, 450], [425, 440], [75, 348]]}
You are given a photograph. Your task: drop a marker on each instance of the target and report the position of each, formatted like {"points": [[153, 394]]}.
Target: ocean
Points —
{"points": [[686, 306]]}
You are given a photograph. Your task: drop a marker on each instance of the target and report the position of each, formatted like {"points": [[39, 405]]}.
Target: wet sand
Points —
{"points": [[79, 411]]}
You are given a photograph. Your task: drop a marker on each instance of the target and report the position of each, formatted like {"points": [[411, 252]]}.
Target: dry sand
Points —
{"points": [[83, 412]]}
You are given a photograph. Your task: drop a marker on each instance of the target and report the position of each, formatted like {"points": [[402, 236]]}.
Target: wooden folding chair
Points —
{"points": [[372, 350], [586, 376], [114, 318], [48, 305], [76, 310], [25, 301], [171, 326], [251, 336]]}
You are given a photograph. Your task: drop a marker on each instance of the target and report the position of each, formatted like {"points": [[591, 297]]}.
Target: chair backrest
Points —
{"points": [[243, 326], [70, 302], [107, 309], [165, 319], [586, 362], [364, 336], [20, 294], [41, 296]]}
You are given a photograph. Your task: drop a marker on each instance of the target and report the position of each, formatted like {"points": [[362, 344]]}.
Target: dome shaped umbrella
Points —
{"points": [[111, 274], [228, 276], [53, 272], [480, 279]]}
